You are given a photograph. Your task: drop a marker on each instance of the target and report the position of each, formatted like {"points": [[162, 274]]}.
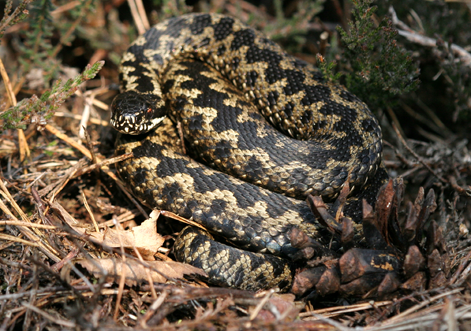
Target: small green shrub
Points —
{"points": [[36, 110], [379, 69]]}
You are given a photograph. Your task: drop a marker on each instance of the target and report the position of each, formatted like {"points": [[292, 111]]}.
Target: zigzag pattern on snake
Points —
{"points": [[216, 77]]}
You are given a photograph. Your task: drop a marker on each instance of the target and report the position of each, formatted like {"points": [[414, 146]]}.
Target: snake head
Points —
{"points": [[135, 113]]}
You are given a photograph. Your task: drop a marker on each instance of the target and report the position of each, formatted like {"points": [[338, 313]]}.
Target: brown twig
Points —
{"points": [[52, 319], [138, 16], [458, 188], [262, 302], [401, 138], [417, 38], [29, 233], [69, 141], [24, 149], [420, 305], [87, 207], [87, 153], [153, 308], [181, 219], [339, 310], [101, 164], [460, 269]]}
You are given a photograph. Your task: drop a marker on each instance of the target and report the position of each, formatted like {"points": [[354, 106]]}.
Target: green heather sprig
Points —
{"points": [[37, 111], [38, 49], [11, 18], [37, 45], [380, 68]]}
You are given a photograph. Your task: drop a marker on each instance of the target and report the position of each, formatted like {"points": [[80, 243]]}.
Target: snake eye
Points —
{"points": [[149, 112]]}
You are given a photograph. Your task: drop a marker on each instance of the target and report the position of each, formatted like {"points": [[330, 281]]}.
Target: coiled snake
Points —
{"points": [[215, 77]]}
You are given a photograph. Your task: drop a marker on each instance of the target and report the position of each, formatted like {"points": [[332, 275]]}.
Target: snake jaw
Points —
{"points": [[135, 113], [127, 125]]}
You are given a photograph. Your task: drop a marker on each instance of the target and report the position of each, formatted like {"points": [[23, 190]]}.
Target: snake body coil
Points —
{"points": [[216, 77]]}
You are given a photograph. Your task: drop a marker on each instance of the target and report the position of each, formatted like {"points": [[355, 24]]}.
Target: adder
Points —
{"points": [[227, 87]]}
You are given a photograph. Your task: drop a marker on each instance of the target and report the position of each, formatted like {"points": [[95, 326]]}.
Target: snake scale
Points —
{"points": [[227, 87]]}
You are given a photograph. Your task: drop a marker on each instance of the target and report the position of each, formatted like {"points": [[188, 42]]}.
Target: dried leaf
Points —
{"points": [[277, 306], [135, 272], [144, 237]]}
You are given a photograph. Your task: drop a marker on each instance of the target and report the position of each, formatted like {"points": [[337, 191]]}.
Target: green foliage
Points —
{"points": [[36, 110], [380, 68], [12, 18], [170, 8], [292, 29], [327, 68], [37, 46], [39, 50]]}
